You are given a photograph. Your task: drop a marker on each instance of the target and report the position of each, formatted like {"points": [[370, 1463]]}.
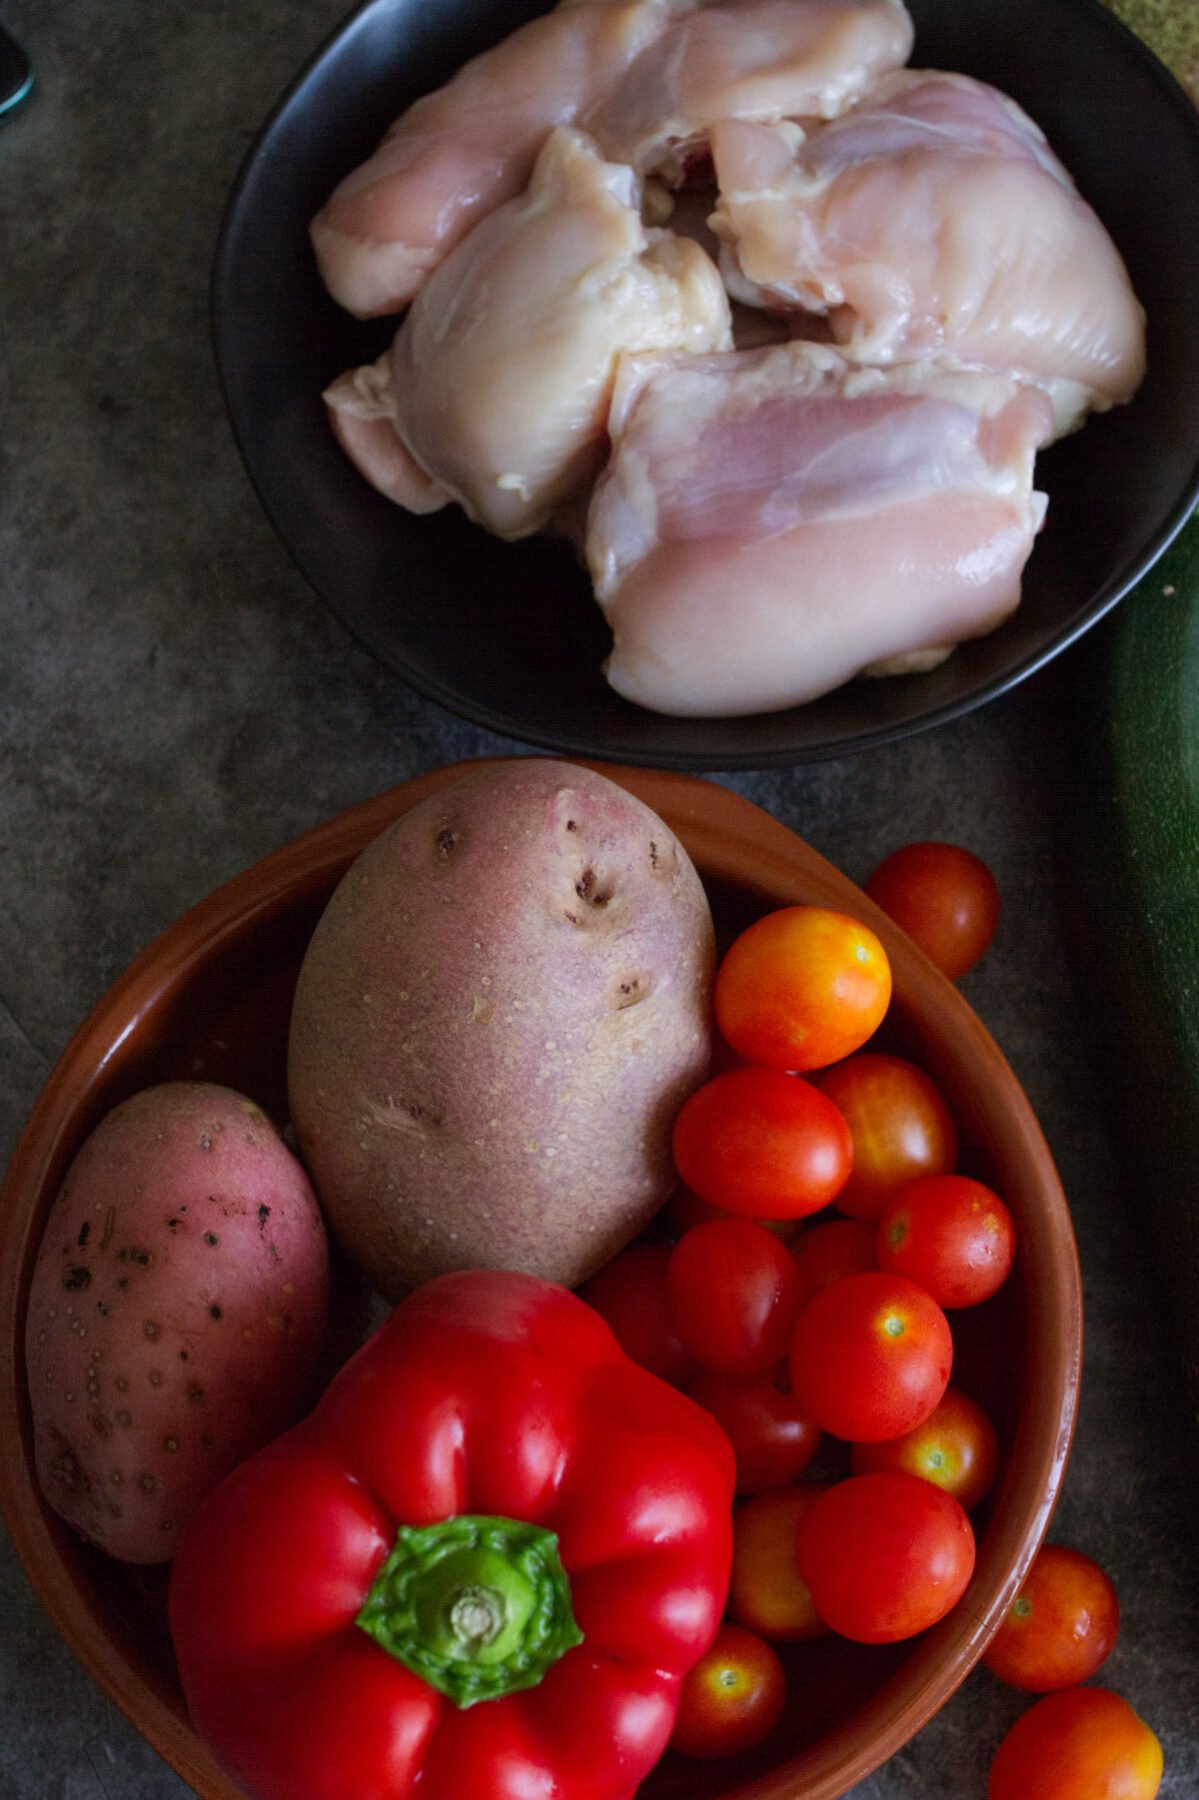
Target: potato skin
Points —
{"points": [[177, 1307], [501, 1010]]}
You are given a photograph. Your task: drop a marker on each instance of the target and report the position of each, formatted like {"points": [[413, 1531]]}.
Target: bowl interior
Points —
{"points": [[508, 635], [210, 999]]}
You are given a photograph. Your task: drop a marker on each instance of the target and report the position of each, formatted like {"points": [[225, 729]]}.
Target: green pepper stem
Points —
{"points": [[477, 1606]]}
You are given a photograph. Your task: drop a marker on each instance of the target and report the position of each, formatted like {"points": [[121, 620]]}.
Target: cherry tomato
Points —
{"points": [[953, 1235], [767, 1593], [801, 988], [732, 1698], [685, 1209], [630, 1293], [1061, 1625], [772, 1441], [957, 1447], [732, 1293], [826, 1252], [762, 1144], [944, 897], [870, 1357], [884, 1555], [1084, 1743], [900, 1124]]}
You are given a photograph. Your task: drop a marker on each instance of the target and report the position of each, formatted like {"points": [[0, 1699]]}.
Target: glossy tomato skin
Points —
{"points": [[1084, 1743], [762, 1144], [732, 1293], [950, 1233], [732, 1698], [801, 988], [885, 1555], [629, 1292], [957, 1447], [871, 1357], [767, 1593], [772, 1441], [900, 1124], [685, 1209], [833, 1248], [944, 897], [1060, 1627]]}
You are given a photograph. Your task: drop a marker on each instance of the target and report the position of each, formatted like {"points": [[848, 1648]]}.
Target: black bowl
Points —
{"points": [[508, 635]]}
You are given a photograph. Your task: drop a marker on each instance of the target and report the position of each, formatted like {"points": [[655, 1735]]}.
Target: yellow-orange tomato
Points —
{"points": [[900, 1124], [767, 1593], [1084, 1743], [957, 1447], [801, 988]]}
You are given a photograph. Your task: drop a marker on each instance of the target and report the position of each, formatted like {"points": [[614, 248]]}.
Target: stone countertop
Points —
{"points": [[175, 703]]}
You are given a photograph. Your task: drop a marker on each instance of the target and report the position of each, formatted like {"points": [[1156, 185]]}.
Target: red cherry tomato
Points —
{"points": [[900, 1124], [772, 1441], [953, 1235], [762, 1144], [870, 1357], [630, 1293], [1084, 1743], [767, 1593], [732, 1293], [944, 897], [685, 1209], [884, 1555], [801, 988], [826, 1252], [1060, 1627], [957, 1447], [732, 1698]]}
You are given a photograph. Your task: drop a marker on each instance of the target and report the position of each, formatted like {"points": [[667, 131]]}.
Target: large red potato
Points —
{"points": [[499, 1014], [177, 1308]]}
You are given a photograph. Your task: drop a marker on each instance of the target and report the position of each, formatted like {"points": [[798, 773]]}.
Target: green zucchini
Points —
{"points": [[1130, 844]]}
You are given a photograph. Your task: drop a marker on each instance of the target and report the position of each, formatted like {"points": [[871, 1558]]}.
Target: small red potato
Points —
{"points": [[176, 1312]]}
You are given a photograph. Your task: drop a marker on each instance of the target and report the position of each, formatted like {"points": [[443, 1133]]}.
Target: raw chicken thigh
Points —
{"points": [[746, 59], [496, 390], [458, 152], [774, 522], [933, 221]]}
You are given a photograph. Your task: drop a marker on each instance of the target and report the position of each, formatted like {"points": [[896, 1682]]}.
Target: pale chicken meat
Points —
{"points": [[933, 221], [496, 390], [745, 59], [775, 522], [458, 152]]}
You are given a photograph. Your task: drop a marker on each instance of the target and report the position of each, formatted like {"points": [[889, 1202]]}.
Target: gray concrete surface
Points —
{"points": [[174, 703]]}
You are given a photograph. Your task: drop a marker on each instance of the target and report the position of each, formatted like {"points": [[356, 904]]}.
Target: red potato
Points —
{"points": [[176, 1312], [500, 1012]]}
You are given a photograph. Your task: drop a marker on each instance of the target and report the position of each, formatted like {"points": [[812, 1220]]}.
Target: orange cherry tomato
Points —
{"points": [[767, 1593], [801, 988], [953, 1235], [957, 1447], [1060, 1627], [900, 1124], [732, 1698], [870, 1357], [944, 897], [1084, 1743], [826, 1252]]}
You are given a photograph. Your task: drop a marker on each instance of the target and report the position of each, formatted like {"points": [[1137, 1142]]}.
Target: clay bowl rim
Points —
{"points": [[732, 841]]}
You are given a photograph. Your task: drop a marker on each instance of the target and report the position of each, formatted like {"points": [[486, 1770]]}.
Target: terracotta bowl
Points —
{"points": [[210, 999]]}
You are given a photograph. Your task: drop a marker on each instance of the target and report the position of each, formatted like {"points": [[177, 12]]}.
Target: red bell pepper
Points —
{"points": [[477, 1571]]}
